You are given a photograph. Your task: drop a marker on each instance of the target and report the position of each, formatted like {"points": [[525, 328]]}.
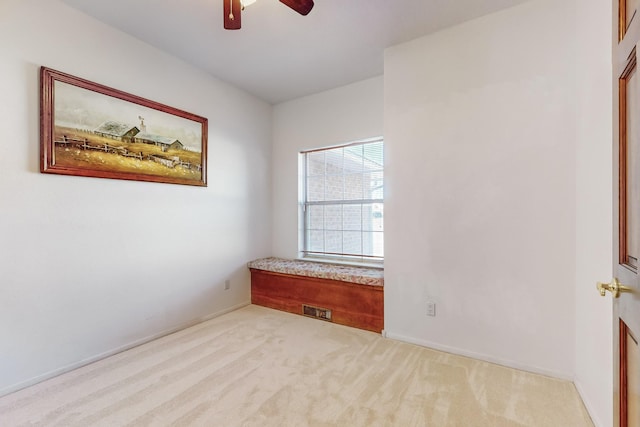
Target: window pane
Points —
{"points": [[373, 185], [373, 244], [378, 217], [315, 241], [353, 186], [316, 217], [315, 188], [373, 217], [333, 217], [334, 189], [374, 155], [352, 242], [352, 217], [353, 159], [333, 242], [315, 163], [334, 159]]}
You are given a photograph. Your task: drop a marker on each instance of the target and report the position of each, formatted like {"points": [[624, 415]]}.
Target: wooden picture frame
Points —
{"points": [[87, 129]]}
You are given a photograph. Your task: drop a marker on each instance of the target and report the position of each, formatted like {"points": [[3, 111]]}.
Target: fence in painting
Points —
{"points": [[84, 144]]}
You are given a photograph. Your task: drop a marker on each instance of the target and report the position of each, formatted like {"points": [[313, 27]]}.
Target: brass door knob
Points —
{"points": [[614, 287]]}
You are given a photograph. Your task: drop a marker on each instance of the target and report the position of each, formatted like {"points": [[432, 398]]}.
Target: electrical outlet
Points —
{"points": [[227, 285], [431, 308]]}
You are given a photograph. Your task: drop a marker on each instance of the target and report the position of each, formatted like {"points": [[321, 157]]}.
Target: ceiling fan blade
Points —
{"points": [[231, 12], [303, 7]]}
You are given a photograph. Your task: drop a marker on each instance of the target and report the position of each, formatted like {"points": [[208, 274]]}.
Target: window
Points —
{"points": [[343, 202]]}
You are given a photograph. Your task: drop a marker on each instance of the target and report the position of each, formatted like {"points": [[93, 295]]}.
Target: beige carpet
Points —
{"points": [[261, 367]]}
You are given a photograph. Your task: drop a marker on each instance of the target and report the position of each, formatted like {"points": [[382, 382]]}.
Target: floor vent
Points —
{"points": [[318, 313]]}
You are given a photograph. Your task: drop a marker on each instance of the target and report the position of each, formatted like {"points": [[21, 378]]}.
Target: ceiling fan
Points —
{"points": [[232, 9]]}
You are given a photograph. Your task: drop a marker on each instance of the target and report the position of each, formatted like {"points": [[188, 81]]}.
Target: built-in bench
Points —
{"points": [[348, 295]]}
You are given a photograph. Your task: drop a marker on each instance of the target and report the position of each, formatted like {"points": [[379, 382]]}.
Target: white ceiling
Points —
{"points": [[278, 54]]}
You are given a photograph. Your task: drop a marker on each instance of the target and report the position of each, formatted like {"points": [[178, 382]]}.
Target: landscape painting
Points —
{"points": [[92, 130]]}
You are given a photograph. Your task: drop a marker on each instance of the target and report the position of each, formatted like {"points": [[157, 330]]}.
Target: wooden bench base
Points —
{"points": [[351, 304]]}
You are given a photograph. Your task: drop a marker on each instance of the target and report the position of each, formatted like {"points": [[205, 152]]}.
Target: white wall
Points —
{"points": [[349, 113], [489, 162], [91, 265], [594, 227], [480, 200], [498, 180]]}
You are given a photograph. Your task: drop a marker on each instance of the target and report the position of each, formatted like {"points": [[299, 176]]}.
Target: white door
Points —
{"points": [[626, 283]]}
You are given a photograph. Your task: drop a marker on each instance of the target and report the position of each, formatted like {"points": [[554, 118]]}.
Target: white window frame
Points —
{"points": [[304, 252]]}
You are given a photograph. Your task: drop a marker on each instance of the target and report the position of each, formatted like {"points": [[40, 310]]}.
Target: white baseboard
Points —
{"points": [[597, 422], [480, 356], [213, 315], [70, 367]]}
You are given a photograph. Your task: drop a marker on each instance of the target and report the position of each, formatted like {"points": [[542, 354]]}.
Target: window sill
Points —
{"points": [[343, 262]]}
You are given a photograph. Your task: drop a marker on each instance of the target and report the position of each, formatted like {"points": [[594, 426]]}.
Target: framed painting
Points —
{"points": [[87, 129]]}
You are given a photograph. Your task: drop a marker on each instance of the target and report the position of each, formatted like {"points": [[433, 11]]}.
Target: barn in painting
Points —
{"points": [[161, 141], [115, 130]]}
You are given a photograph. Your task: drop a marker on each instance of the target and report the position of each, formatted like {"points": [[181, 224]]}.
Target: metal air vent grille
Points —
{"points": [[317, 312]]}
